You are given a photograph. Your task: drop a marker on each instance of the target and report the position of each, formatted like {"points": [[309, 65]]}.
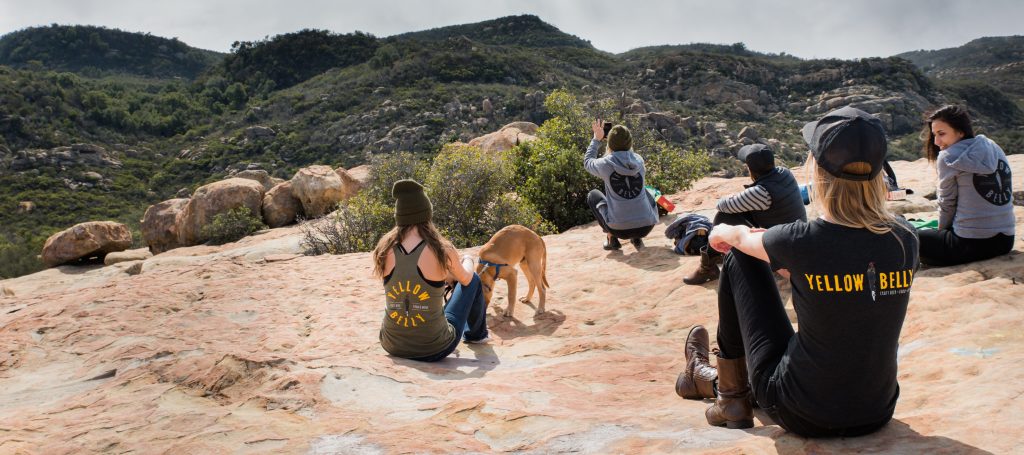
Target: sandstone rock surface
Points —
{"points": [[137, 254], [191, 356], [84, 241]]}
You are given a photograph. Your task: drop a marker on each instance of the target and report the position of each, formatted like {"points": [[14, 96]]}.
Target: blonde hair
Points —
{"points": [[856, 204]]}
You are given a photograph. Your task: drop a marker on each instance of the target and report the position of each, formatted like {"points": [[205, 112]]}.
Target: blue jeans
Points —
{"points": [[466, 311]]}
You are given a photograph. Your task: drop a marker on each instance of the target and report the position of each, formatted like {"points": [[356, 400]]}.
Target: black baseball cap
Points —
{"points": [[758, 157], [847, 135]]}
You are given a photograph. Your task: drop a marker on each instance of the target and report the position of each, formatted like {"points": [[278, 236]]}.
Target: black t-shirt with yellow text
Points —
{"points": [[850, 293]]}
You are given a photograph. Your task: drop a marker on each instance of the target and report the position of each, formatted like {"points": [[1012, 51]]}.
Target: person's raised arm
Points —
{"points": [[724, 237], [592, 151], [461, 269]]}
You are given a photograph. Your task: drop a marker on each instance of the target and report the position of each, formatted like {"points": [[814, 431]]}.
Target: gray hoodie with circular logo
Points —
{"points": [[975, 193]]}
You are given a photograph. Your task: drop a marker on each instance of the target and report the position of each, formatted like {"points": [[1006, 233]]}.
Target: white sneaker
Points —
{"points": [[484, 340]]}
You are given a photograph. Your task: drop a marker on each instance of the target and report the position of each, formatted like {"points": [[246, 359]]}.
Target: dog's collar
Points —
{"points": [[497, 267]]}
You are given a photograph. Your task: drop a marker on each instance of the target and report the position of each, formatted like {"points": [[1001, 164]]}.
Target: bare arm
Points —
{"points": [[461, 269], [724, 237]]}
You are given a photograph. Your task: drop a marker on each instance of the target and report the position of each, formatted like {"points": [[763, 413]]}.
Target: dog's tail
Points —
{"points": [[544, 260]]}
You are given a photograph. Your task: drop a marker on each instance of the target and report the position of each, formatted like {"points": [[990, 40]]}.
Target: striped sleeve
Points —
{"points": [[755, 198]]}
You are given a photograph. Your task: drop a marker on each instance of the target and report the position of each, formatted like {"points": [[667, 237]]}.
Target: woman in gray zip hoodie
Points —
{"points": [[974, 192], [625, 210]]}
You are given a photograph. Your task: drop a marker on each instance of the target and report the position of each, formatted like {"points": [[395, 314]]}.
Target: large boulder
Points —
{"points": [[350, 185], [160, 225], [93, 239], [258, 175], [280, 206], [362, 174], [319, 189], [215, 198], [508, 136]]}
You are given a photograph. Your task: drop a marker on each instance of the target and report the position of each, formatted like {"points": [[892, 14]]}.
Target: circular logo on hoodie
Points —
{"points": [[995, 187], [626, 186]]}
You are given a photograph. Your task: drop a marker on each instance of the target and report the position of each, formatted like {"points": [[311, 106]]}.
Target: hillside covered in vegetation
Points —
{"points": [[100, 123]]}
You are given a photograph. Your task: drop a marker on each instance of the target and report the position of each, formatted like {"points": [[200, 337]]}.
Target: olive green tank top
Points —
{"points": [[414, 324]]}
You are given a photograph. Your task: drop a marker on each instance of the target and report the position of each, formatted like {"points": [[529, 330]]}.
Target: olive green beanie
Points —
{"points": [[412, 206], [619, 139]]}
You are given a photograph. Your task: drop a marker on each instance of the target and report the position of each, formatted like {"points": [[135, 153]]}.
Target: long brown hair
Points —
{"points": [[951, 114], [435, 241]]}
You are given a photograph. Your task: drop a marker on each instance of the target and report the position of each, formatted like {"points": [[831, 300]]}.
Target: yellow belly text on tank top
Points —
{"points": [[404, 304]]}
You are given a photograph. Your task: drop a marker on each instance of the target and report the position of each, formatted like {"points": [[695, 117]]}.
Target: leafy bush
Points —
{"points": [[231, 226], [471, 192], [356, 226], [17, 259], [469, 189]]}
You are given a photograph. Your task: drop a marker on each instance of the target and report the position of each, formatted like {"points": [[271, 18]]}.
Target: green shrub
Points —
{"points": [[386, 169], [18, 258], [231, 226], [470, 190], [356, 226]]}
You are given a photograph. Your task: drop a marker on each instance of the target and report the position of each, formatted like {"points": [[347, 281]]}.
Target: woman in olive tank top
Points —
{"points": [[414, 260]]}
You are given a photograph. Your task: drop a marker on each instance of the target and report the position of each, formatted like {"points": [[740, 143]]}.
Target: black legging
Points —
{"points": [[596, 197], [752, 320], [942, 247]]}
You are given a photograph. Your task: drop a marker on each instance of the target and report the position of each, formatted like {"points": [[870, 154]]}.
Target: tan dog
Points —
{"points": [[508, 247]]}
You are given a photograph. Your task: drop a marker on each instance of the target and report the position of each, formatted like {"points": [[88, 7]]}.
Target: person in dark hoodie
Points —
{"points": [[974, 192], [773, 199], [625, 210]]}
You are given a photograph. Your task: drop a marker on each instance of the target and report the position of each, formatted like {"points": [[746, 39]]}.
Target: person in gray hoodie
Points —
{"points": [[974, 193], [625, 210]]}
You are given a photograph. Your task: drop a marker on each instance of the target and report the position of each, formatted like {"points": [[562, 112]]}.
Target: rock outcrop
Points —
{"points": [[280, 206], [138, 254], [93, 239], [215, 198], [160, 225], [319, 189], [508, 136], [67, 156], [258, 175]]}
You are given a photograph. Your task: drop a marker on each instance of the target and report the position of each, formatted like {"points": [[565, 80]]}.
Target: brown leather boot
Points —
{"points": [[697, 381], [732, 407], [708, 269]]}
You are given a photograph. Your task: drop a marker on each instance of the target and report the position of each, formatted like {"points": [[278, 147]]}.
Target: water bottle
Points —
{"points": [[805, 193]]}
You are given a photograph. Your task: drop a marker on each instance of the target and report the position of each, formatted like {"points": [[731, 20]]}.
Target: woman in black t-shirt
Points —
{"points": [[851, 271]]}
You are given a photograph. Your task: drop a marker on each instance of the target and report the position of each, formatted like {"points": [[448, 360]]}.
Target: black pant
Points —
{"points": [[734, 219], [752, 321], [942, 247], [596, 197]]}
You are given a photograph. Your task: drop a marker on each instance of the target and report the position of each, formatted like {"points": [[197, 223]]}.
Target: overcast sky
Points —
{"points": [[805, 28]]}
